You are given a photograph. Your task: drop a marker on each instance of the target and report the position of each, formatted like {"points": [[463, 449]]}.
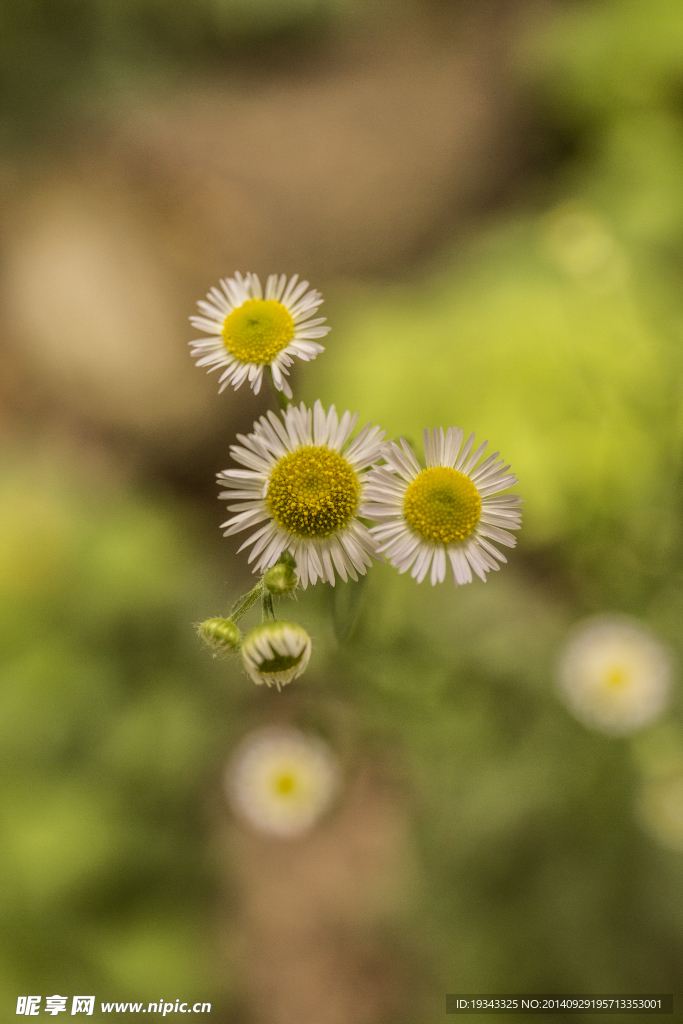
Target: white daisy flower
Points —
{"points": [[251, 331], [282, 781], [614, 675], [276, 652], [308, 485], [444, 512]]}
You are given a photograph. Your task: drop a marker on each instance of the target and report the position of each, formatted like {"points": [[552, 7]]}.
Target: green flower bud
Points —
{"points": [[280, 579], [221, 634], [276, 652]]}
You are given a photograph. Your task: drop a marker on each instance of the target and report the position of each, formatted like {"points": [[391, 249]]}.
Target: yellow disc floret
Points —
{"points": [[284, 784], [442, 505], [313, 491], [616, 676], [257, 330]]}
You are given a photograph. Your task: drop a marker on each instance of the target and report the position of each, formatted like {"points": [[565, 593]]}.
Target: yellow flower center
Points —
{"points": [[257, 330], [442, 505], [313, 491], [616, 676], [284, 784]]}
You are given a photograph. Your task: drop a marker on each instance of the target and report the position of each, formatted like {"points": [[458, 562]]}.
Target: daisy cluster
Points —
{"points": [[317, 501], [304, 486]]}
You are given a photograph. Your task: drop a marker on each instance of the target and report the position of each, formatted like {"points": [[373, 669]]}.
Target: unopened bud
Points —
{"points": [[280, 579], [221, 634], [276, 652]]}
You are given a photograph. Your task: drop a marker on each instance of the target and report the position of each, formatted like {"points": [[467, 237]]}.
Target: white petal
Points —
{"points": [[419, 570], [438, 574], [464, 454], [462, 572]]}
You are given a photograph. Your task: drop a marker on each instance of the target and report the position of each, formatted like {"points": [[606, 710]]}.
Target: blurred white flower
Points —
{"points": [[251, 331], [444, 512], [307, 483], [281, 781], [276, 652], [614, 675]]}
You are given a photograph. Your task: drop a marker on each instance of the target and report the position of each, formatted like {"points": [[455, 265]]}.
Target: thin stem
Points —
{"points": [[267, 609], [280, 397], [347, 599], [244, 603]]}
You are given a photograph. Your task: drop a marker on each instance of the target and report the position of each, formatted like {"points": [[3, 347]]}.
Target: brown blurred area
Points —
{"points": [[354, 158], [316, 917]]}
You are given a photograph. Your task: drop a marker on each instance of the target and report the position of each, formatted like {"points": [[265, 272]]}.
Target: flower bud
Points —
{"points": [[221, 634], [276, 652], [280, 579]]}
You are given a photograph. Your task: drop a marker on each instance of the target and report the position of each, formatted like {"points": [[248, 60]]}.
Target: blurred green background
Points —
{"points": [[490, 196]]}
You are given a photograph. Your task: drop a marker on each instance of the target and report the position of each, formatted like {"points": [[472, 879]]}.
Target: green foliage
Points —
{"points": [[109, 731], [556, 332], [612, 56], [53, 52]]}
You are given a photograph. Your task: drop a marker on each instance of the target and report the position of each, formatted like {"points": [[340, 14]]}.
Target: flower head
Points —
{"points": [[251, 331], [308, 485], [614, 675], [446, 511], [276, 652], [281, 781]]}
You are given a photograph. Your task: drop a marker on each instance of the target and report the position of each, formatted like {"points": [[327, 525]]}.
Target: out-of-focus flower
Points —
{"points": [[308, 484], [660, 810], [251, 331], [582, 245], [282, 781], [444, 512], [614, 675], [276, 652]]}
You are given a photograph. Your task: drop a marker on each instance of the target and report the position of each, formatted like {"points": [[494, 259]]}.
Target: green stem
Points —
{"points": [[267, 609], [280, 397], [244, 603], [347, 599]]}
